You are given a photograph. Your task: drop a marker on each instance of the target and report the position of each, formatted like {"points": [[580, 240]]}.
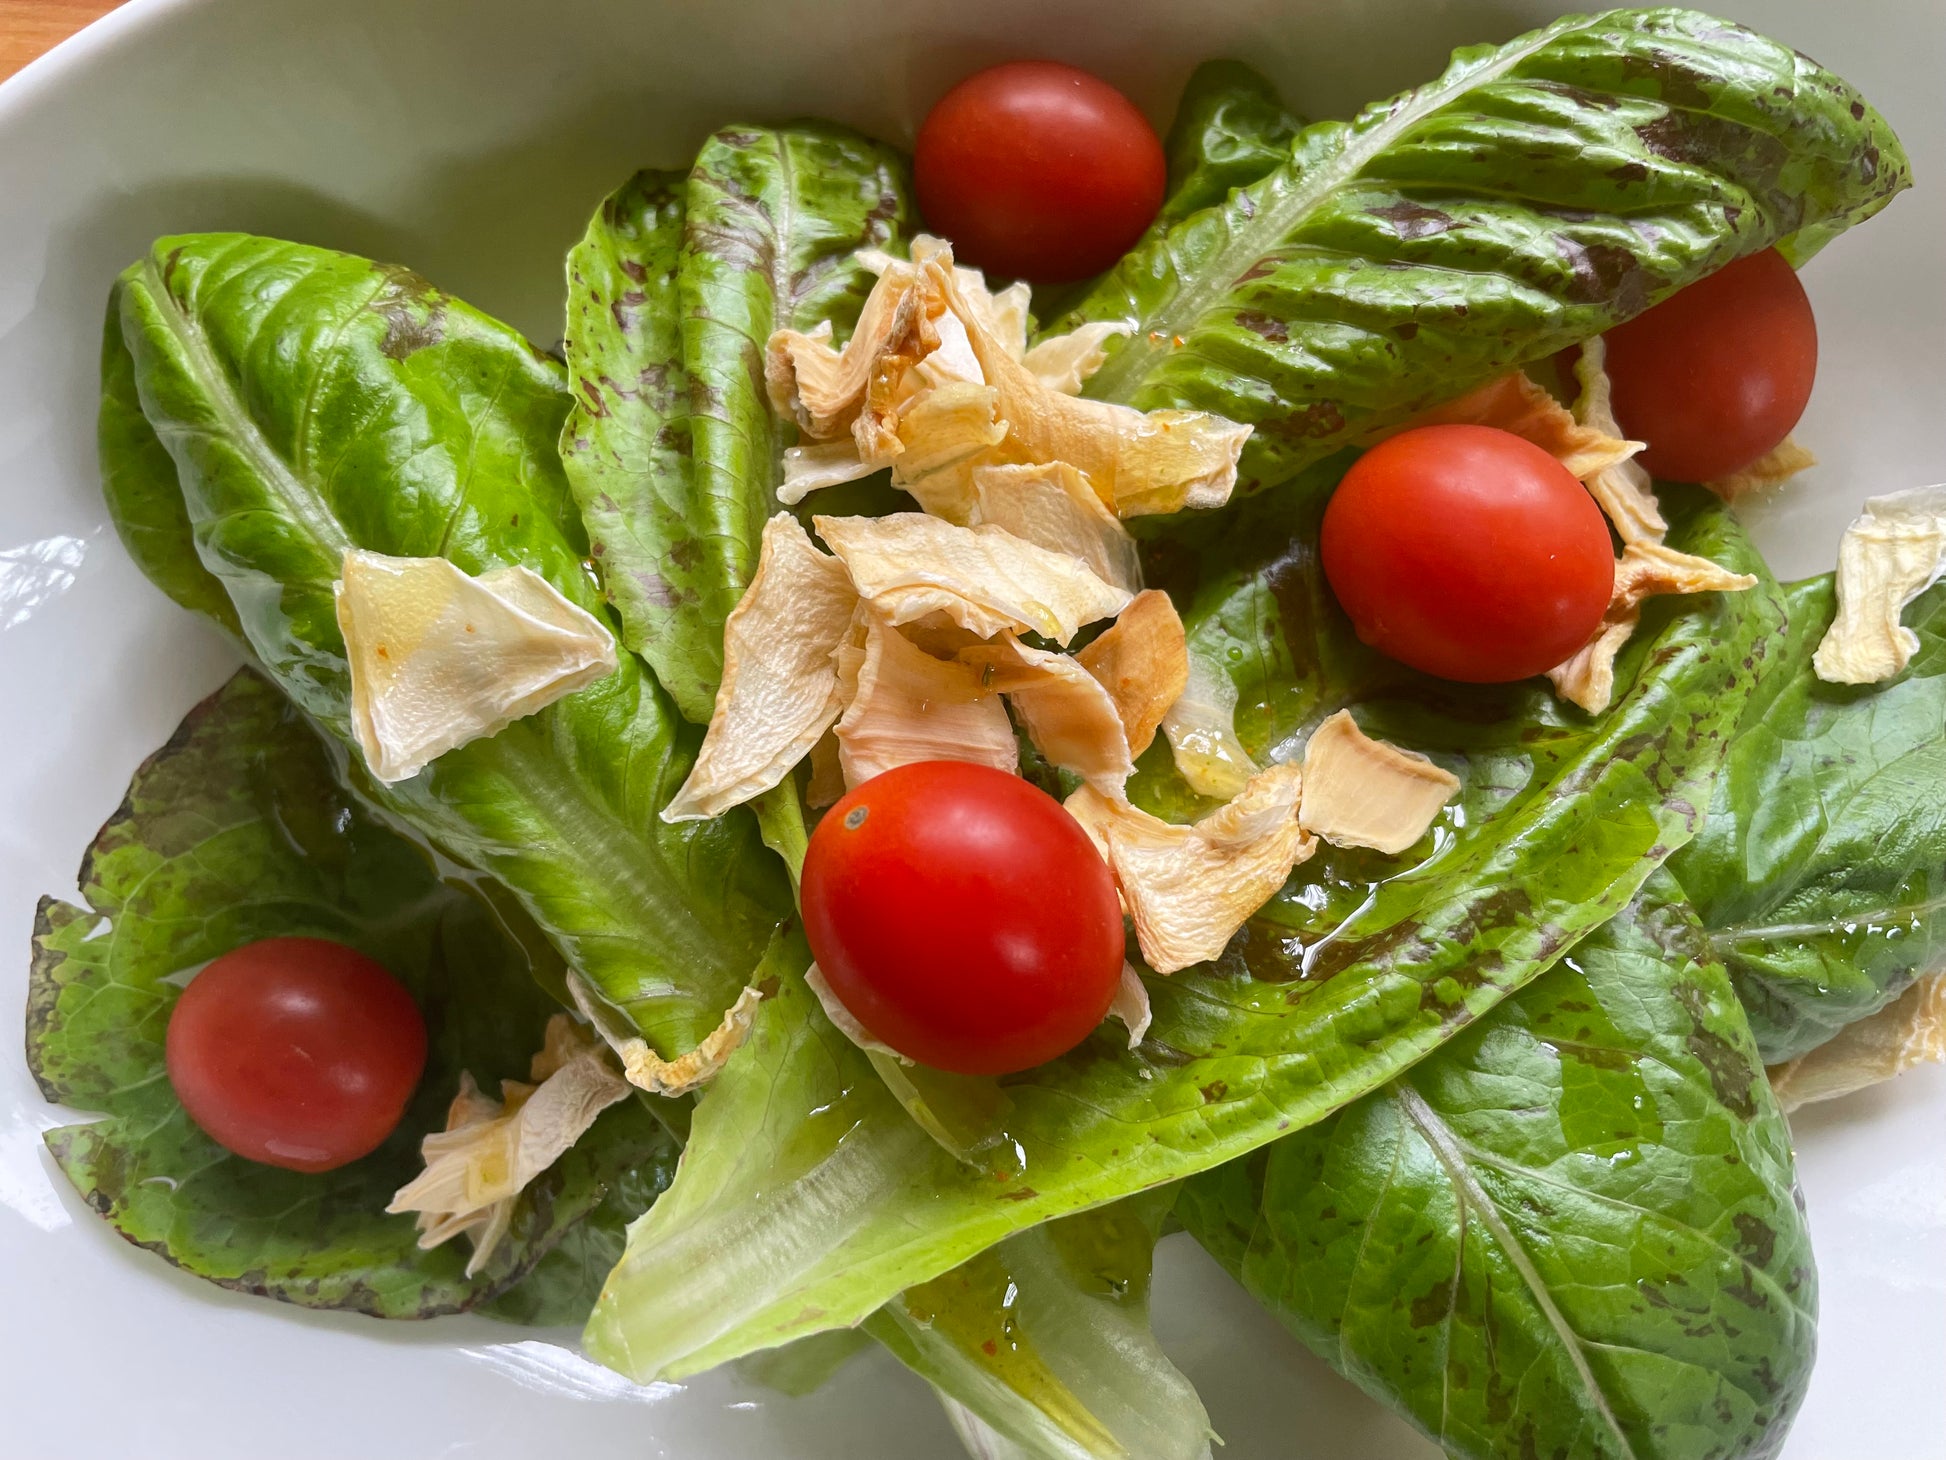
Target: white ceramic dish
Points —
{"points": [[471, 140]]}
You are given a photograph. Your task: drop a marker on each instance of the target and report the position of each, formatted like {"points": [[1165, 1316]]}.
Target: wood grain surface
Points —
{"points": [[28, 27]]}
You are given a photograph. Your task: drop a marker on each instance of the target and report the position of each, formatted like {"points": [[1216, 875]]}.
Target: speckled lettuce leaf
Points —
{"points": [[235, 831], [672, 448], [1821, 870], [1231, 129], [1532, 196], [626, 445], [1573, 1230], [1361, 966], [312, 401]]}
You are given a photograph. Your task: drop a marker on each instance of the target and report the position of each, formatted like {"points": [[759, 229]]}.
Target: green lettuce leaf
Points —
{"points": [[1821, 870], [1532, 196], [143, 494], [235, 831], [672, 448], [1231, 130], [781, 1223], [312, 401], [1573, 1230], [1041, 1346]]}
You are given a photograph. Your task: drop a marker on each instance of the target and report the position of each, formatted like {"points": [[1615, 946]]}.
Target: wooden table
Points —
{"points": [[28, 27]]}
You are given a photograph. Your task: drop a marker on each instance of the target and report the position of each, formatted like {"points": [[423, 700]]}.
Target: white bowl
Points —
{"points": [[471, 140]]}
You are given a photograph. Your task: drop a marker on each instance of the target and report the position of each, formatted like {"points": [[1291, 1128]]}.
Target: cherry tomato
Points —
{"points": [[1038, 171], [1469, 553], [1715, 376], [963, 917], [296, 1052]]}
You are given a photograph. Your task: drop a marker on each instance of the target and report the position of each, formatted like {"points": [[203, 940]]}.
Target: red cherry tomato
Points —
{"points": [[1715, 376], [296, 1052], [1469, 553], [963, 917], [1038, 171]]}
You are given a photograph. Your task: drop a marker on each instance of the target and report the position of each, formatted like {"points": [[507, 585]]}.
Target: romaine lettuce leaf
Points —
{"points": [[1041, 1346], [672, 449], [1231, 130], [1573, 1230], [781, 1224], [1532, 196], [312, 401], [1820, 872], [235, 831], [144, 497]]}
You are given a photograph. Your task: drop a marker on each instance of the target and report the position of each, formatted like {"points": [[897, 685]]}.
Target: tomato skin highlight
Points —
{"points": [[1717, 374], [1038, 171], [963, 917], [296, 1052], [1469, 553]]}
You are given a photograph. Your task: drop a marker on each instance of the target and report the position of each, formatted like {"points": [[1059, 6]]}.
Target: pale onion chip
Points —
{"points": [[1588, 678], [1644, 570], [843, 1020], [1162, 461], [647, 1070], [910, 564], [1067, 712], [1189, 888], [1131, 1005], [1361, 792], [932, 329], [1142, 660], [1624, 490], [1056, 507], [1775, 467], [822, 388], [952, 430], [1201, 726], [906, 706], [1064, 362], [439, 658], [1891, 553], [822, 464], [1909, 1031], [491, 1149], [779, 690], [1514, 403]]}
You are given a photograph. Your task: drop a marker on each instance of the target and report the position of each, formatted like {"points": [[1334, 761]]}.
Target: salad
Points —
{"points": [[985, 706]]}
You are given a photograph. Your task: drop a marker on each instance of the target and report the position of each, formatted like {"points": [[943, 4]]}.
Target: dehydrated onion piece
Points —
{"points": [[1909, 1031], [1644, 570], [1890, 554], [439, 658], [1514, 403], [903, 705], [1201, 726], [780, 690], [1361, 792], [1189, 888], [1142, 660], [1054, 506], [491, 1149], [1775, 467], [1623, 489], [909, 564], [1068, 714]]}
